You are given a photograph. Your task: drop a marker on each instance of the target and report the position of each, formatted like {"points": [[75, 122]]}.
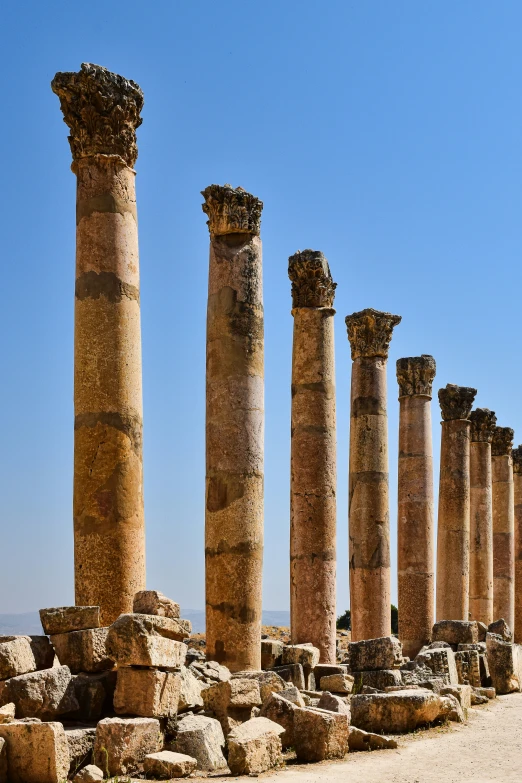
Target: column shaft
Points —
{"points": [[481, 534], [234, 434], [517, 493], [503, 539]]}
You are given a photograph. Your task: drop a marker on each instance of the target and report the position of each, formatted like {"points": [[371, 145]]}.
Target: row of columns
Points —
{"points": [[480, 494]]}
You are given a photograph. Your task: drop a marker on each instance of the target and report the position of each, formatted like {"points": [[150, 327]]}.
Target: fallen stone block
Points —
{"points": [[461, 692], [201, 738], [365, 740], [320, 734], [325, 669], [490, 693], [293, 694], [35, 752], [455, 632], [166, 765], [7, 713], [451, 709], [468, 667], [281, 711], [502, 629], [43, 651], [190, 697], [89, 774], [373, 654], [505, 664], [269, 682], [64, 619], [337, 683], [154, 602], [122, 743], [333, 703], [81, 747], [83, 651], [380, 680], [146, 640], [255, 747], [398, 712], [292, 673], [441, 663], [232, 702], [271, 653], [305, 654], [147, 693], [16, 656], [478, 698], [45, 694]]}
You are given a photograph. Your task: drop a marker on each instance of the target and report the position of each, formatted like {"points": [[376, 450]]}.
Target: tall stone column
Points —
{"points": [[454, 504], [369, 333], [313, 456], [415, 523], [503, 526], [234, 429], [517, 487], [102, 111], [481, 517]]}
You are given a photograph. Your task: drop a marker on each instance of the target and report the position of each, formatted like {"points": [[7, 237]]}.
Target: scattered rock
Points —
{"points": [[373, 654], [337, 683], [122, 743], [325, 669], [154, 602], [45, 694], [166, 765], [293, 694], [319, 734], [490, 693], [292, 673], [398, 712], [232, 702], [305, 654], [190, 692], [455, 632], [380, 680], [201, 738], [451, 709], [147, 640], [441, 663], [64, 619], [461, 692], [478, 698], [502, 629], [36, 752], [89, 774], [468, 667], [281, 711], [271, 653], [269, 682], [329, 701], [505, 664], [16, 656], [365, 740], [83, 651], [254, 747], [147, 693]]}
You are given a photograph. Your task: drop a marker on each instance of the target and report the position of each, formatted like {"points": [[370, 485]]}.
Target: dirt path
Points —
{"points": [[486, 748]]}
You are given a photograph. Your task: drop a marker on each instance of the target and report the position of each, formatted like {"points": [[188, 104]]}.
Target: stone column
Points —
{"points": [[234, 429], [415, 522], [369, 333], [503, 526], [517, 487], [481, 517], [313, 456], [454, 504], [102, 111]]}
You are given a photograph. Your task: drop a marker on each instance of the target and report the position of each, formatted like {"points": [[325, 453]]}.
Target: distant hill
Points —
{"points": [[29, 622]]}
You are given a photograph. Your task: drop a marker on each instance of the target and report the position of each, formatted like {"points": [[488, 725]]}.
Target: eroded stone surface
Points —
{"points": [[505, 664], [271, 653], [373, 654], [254, 747], [154, 602], [455, 632], [89, 774], [166, 764], [147, 693], [146, 640], [397, 712], [45, 694], [16, 656], [337, 683], [122, 744], [202, 738], [83, 651], [365, 740], [81, 746], [36, 752], [320, 734], [64, 619], [281, 711]]}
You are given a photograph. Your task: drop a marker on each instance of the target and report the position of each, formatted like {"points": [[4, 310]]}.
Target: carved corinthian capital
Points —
{"points": [[231, 210], [102, 111], [456, 401], [312, 284], [502, 441], [517, 459], [483, 423], [370, 333], [415, 375]]}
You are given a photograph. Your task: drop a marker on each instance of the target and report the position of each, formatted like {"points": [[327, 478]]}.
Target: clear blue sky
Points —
{"points": [[386, 134]]}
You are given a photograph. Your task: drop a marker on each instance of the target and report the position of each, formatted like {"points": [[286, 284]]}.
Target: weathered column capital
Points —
{"points": [[370, 332], [502, 441], [456, 401], [102, 111], [483, 422], [231, 210], [312, 284], [517, 459], [415, 375]]}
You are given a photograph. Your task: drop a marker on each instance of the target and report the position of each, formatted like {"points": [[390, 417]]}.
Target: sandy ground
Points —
{"points": [[488, 747]]}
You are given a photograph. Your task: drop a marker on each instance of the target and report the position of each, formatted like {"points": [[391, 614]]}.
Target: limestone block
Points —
{"points": [[240, 692], [461, 692], [380, 679], [81, 747], [146, 640], [83, 651], [451, 709], [271, 653], [468, 667], [292, 673], [505, 664], [477, 697], [455, 632], [64, 619], [337, 683], [16, 656], [305, 654], [154, 602], [292, 694], [320, 734], [490, 693], [166, 765], [7, 713], [397, 712], [190, 697], [325, 669], [89, 774], [269, 682], [482, 631], [147, 693], [373, 654], [255, 747], [365, 740], [281, 711], [45, 694], [441, 663], [43, 652], [122, 743], [203, 739], [95, 695], [36, 752], [502, 629], [333, 703]]}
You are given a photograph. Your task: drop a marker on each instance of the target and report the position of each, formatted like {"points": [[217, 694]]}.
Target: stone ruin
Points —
{"points": [[116, 686]]}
